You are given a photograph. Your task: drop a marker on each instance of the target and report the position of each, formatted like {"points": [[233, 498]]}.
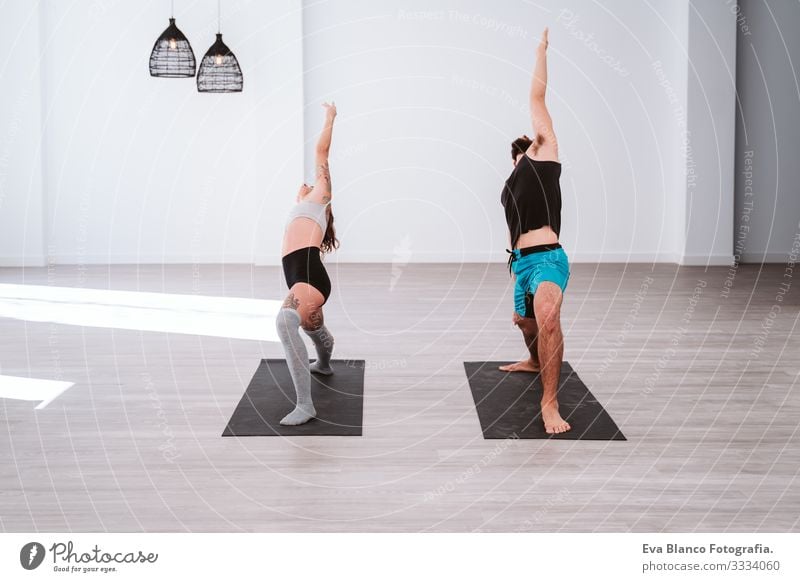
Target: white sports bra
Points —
{"points": [[313, 210]]}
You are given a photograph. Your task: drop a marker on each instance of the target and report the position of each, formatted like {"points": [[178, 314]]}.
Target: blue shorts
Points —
{"points": [[530, 270]]}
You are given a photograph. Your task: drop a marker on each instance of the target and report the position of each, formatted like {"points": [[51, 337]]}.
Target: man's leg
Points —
{"points": [[524, 319], [530, 330], [547, 308]]}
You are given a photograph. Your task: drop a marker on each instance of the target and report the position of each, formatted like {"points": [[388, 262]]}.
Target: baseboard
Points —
{"points": [[379, 257], [707, 260], [149, 259], [497, 257], [24, 261], [760, 258]]}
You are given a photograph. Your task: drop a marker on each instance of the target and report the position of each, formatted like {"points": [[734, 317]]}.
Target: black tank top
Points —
{"points": [[532, 197]]}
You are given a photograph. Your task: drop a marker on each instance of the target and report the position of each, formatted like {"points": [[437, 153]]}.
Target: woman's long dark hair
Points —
{"points": [[329, 241]]}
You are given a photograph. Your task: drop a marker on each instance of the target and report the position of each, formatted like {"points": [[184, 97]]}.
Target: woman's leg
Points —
{"points": [[323, 342], [302, 302]]}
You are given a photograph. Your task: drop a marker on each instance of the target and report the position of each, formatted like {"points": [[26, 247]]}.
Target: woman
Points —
{"points": [[309, 233], [532, 202]]}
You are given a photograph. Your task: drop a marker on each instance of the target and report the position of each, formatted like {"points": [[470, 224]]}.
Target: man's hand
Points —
{"points": [[330, 110], [543, 43]]}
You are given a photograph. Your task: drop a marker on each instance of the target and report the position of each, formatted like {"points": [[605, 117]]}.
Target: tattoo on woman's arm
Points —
{"points": [[324, 172]]}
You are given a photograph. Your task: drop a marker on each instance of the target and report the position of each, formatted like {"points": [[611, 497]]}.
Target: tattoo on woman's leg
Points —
{"points": [[291, 302]]}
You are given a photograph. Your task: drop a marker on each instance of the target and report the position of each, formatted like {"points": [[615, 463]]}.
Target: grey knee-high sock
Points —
{"points": [[323, 341], [288, 325]]}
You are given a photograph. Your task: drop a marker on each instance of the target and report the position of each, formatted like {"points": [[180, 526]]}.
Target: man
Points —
{"points": [[532, 202]]}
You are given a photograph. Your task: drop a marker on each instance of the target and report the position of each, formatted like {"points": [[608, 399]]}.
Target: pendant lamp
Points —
{"points": [[172, 54], [219, 70]]}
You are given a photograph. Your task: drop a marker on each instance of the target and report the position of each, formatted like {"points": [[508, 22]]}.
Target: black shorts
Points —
{"points": [[305, 266]]}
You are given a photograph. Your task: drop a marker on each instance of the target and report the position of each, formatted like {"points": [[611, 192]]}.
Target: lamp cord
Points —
{"points": [[172, 9], [219, 16]]}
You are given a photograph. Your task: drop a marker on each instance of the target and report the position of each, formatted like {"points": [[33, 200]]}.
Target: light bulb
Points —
{"points": [[218, 59], [173, 44]]}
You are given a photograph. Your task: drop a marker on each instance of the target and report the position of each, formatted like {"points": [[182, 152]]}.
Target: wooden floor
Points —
{"points": [[711, 418]]}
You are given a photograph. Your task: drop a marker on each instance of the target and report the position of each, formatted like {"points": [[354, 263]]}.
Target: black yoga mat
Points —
{"points": [[270, 396], [509, 405]]}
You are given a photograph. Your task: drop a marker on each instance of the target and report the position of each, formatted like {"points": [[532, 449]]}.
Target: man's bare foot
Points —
{"points": [[553, 423], [522, 366]]}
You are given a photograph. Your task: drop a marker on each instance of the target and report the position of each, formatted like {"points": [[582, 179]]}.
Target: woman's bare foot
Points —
{"points": [[553, 423], [522, 366]]}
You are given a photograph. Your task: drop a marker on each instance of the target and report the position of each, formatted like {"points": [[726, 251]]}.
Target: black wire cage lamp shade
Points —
{"points": [[219, 70], [172, 54]]}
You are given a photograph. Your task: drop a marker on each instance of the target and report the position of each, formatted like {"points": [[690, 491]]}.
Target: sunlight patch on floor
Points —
{"points": [[33, 389], [229, 317]]}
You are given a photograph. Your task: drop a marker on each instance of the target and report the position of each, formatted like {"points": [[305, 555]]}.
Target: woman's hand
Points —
{"points": [[322, 186], [543, 43], [330, 110]]}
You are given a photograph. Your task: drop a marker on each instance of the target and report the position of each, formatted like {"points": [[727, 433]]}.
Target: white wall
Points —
{"points": [[431, 93], [141, 169], [767, 217], [20, 132], [711, 99]]}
